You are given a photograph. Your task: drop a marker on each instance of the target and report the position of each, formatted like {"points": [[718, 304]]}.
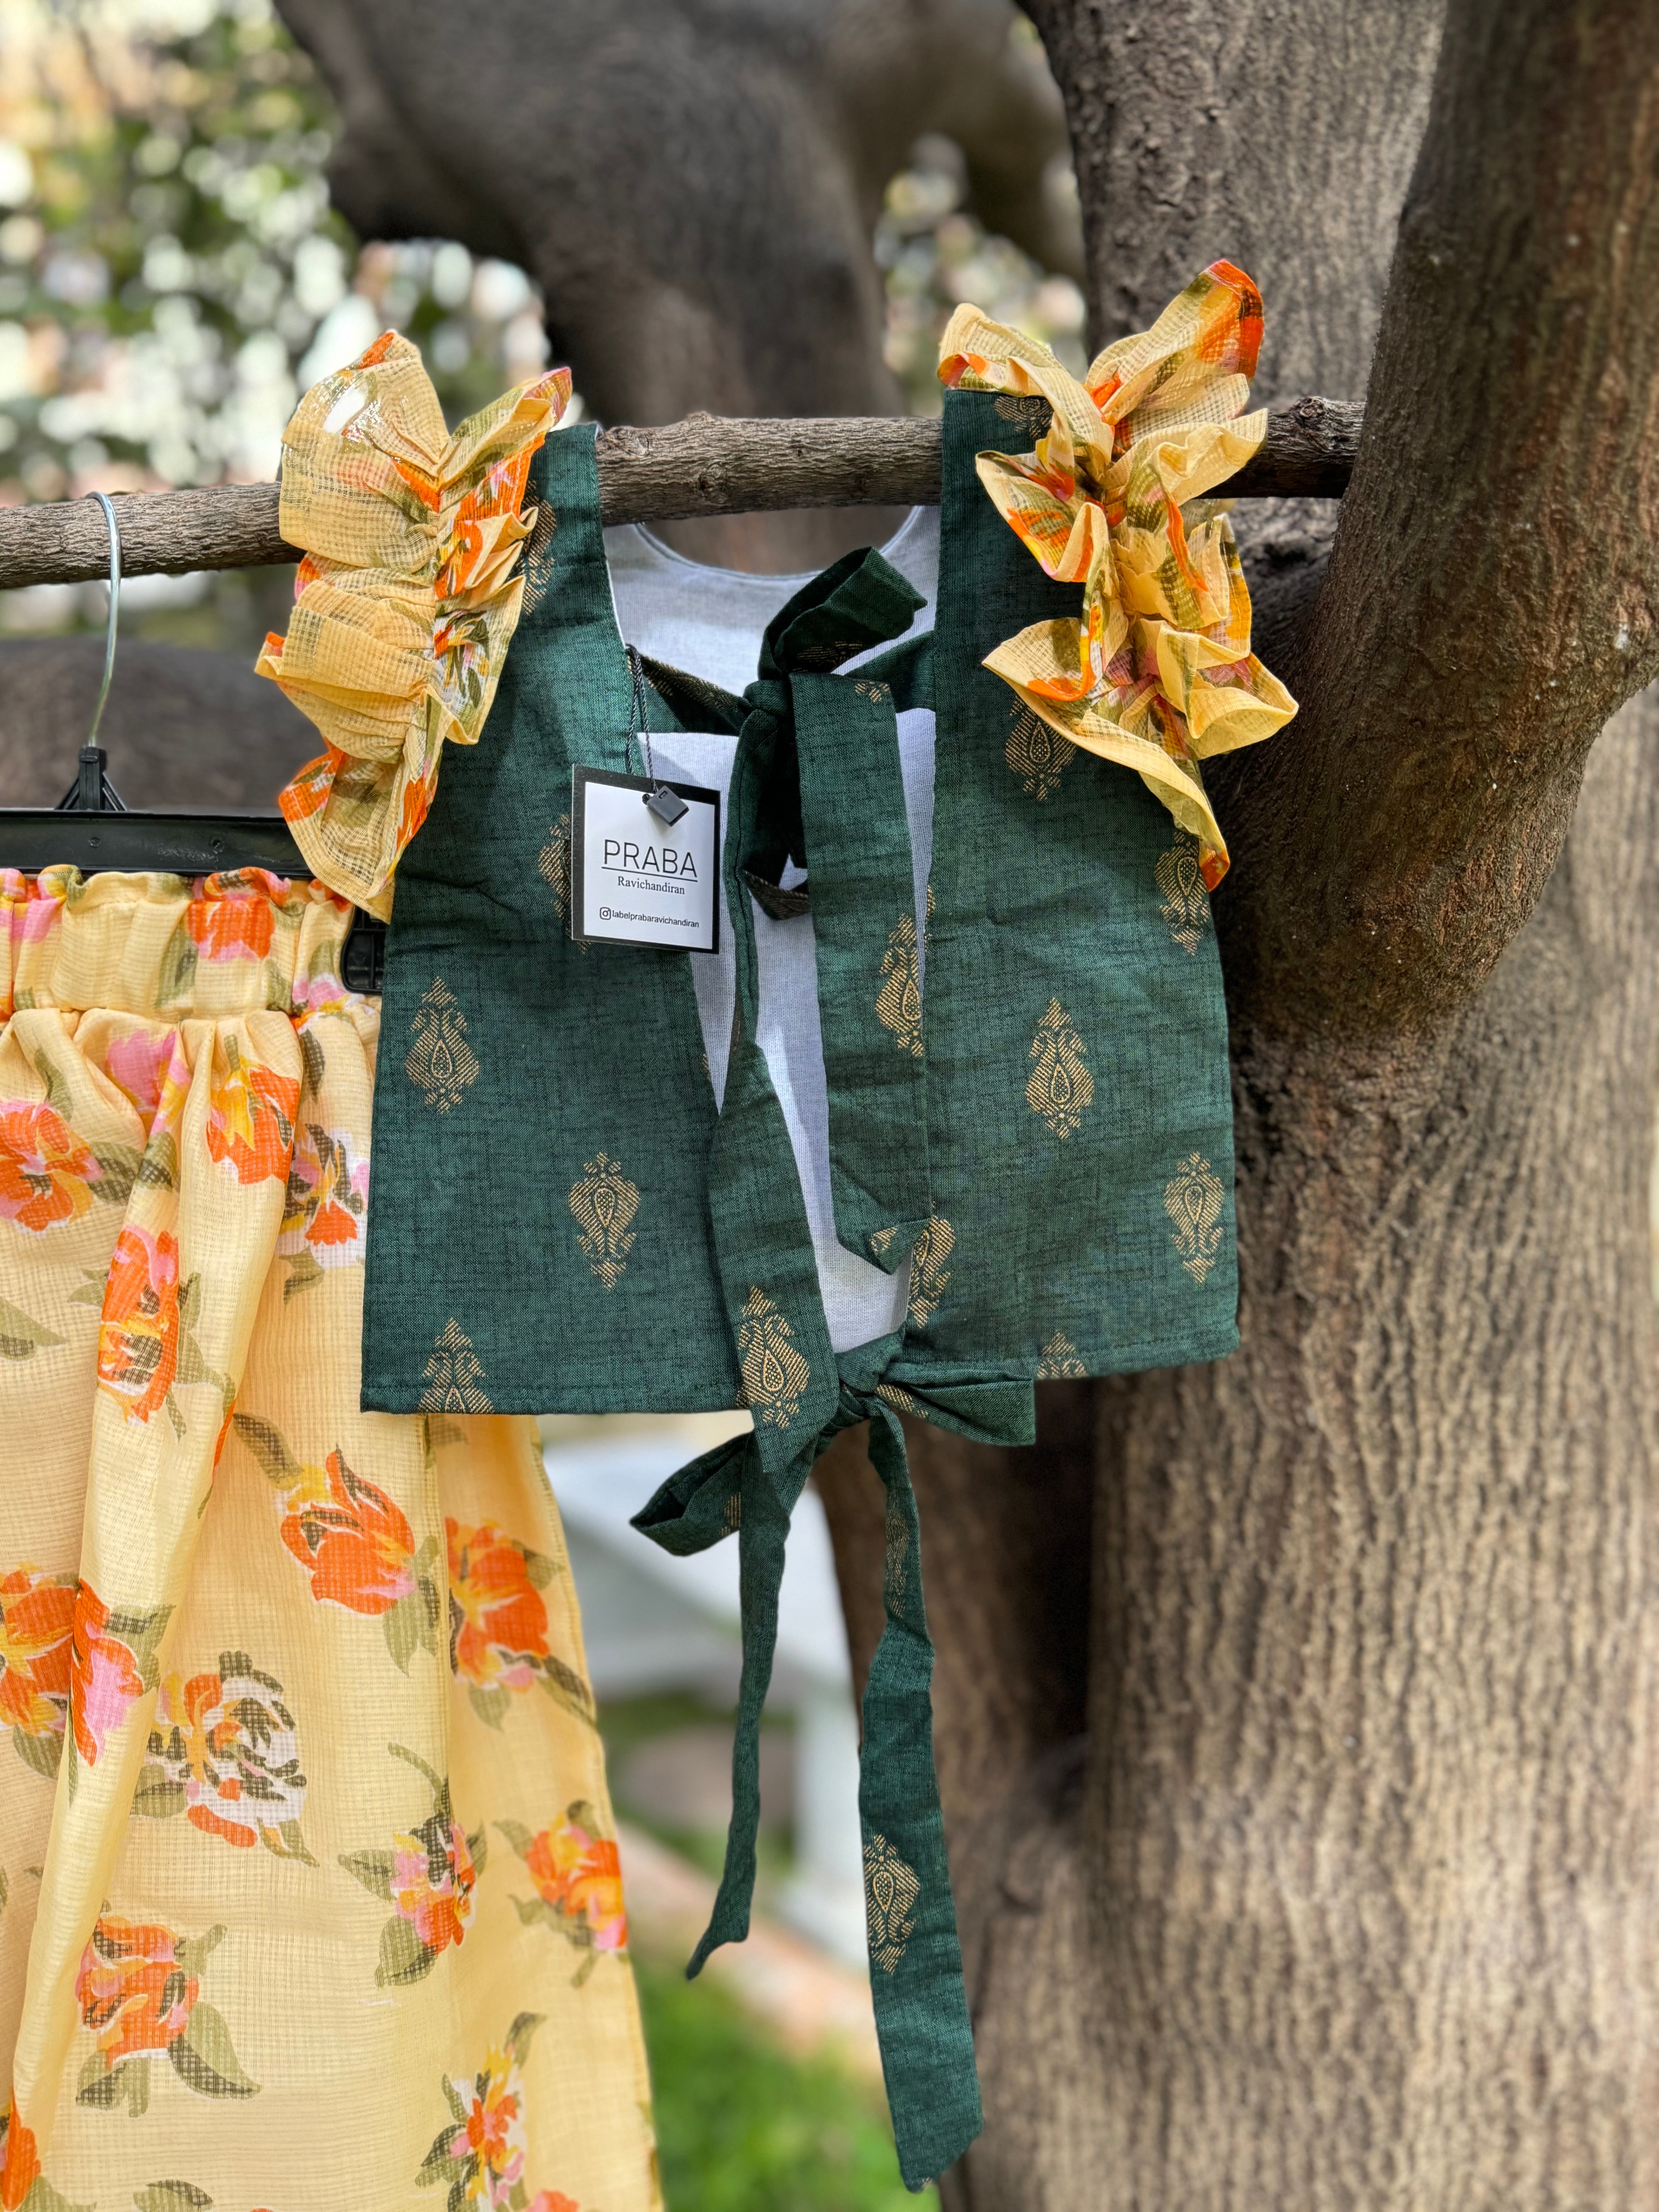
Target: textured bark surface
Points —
{"points": [[1346, 1898], [1354, 1900], [1490, 604], [1277, 133], [708, 465]]}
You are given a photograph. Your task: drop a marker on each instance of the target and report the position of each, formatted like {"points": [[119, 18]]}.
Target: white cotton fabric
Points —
{"points": [[709, 622]]}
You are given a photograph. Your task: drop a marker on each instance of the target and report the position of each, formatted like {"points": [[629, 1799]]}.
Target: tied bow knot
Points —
{"points": [[922, 2009]]}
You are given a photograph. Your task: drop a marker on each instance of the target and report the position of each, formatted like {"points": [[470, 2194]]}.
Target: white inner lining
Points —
{"points": [[709, 622]]}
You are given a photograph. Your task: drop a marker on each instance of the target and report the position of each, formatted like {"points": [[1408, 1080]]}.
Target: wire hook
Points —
{"points": [[92, 792], [108, 506]]}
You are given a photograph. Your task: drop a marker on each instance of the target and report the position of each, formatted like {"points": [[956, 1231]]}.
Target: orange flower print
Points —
{"points": [[578, 1874], [434, 1875], [353, 1539], [251, 1116], [308, 792], [427, 1878], [112, 1665], [432, 1883], [481, 2150], [355, 1543], [140, 1993], [417, 802], [224, 1752], [132, 1990], [237, 926], [21, 2168], [138, 1334], [498, 1623], [36, 1615], [47, 1173], [327, 1207], [578, 1881]]}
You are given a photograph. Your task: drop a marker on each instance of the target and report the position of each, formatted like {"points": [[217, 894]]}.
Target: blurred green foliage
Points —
{"points": [[934, 253], [742, 2127], [171, 274]]}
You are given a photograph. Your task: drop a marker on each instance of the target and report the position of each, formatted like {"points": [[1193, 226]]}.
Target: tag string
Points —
{"points": [[640, 712]]}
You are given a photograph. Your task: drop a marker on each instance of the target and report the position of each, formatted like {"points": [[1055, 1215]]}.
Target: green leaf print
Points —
{"points": [[21, 1335], [205, 2060]]}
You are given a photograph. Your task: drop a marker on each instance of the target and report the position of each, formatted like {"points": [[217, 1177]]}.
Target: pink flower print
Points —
{"points": [[37, 917], [139, 1062]]}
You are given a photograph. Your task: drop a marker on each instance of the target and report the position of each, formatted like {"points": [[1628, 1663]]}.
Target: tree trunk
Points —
{"points": [[1345, 1894], [1355, 1901]]}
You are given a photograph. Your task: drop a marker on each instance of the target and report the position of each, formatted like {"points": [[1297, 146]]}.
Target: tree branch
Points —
{"points": [[1493, 594], [707, 465]]}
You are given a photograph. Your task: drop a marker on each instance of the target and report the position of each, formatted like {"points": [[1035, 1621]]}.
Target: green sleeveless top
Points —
{"points": [[1028, 1109], [539, 1237]]}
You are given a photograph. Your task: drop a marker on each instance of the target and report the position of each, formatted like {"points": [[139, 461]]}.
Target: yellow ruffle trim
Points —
{"points": [[406, 598], [1158, 674]]}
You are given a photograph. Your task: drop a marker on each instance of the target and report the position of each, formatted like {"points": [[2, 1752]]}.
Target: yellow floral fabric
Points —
{"points": [[406, 598], [309, 1897], [1159, 673]]}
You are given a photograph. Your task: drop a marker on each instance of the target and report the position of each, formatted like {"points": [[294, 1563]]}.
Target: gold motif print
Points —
{"points": [[1060, 1087], [774, 1373], [1193, 1200], [928, 1273], [603, 1202], [890, 1890], [553, 865], [1059, 1357], [821, 659], [454, 1373], [896, 1564], [898, 1005], [1186, 907], [442, 1064], [537, 566], [1038, 755]]}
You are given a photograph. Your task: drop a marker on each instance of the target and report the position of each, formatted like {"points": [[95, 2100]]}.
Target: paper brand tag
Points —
{"points": [[635, 880]]}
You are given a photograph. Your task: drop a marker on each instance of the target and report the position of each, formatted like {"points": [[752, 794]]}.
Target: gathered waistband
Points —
{"points": [[164, 945]]}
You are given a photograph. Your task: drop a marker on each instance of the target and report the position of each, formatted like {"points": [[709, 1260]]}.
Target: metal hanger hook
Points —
{"points": [[104, 502]]}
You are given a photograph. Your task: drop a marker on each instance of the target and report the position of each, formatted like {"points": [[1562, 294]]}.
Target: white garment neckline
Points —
{"points": [[764, 578]]}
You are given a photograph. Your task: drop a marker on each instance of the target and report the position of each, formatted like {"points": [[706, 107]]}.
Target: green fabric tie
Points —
{"points": [[816, 779], [915, 1960]]}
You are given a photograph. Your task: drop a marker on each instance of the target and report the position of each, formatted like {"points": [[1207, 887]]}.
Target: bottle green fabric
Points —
{"points": [[538, 1234], [1079, 1108], [817, 764], [1027, 1107]]}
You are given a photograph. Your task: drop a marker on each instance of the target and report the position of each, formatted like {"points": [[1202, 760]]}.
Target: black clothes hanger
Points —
{"points": [[92, 828]]}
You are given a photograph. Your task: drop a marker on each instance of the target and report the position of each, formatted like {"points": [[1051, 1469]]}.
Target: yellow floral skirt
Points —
{"points": [[309, 1897]]}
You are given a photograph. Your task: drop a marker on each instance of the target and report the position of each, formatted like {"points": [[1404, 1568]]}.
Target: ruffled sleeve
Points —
{"points": [[1158, 673], [405, 601]]}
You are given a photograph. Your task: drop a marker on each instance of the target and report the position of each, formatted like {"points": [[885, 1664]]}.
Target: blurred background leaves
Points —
{"points": [[172, 277]]}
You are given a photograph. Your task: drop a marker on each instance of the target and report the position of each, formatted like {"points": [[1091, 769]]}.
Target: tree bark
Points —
{"points": [[1280, 138], [1488, 607], [1346, 1898]]}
